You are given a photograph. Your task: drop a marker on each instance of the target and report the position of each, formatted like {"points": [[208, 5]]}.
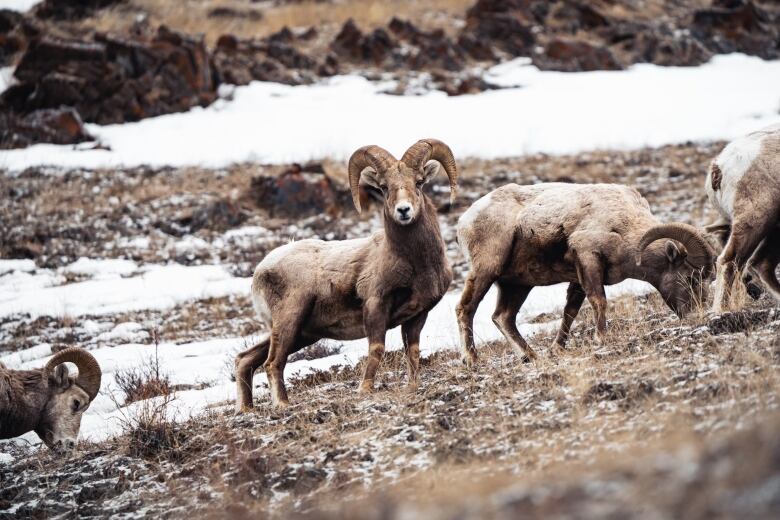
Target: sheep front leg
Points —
{"points": [[375, 322], [590, 272], [575, 297], [410, 332]]}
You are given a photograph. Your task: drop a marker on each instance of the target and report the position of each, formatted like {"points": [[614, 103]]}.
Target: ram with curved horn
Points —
{"points": [[49, 401], [360, 288], [519, 237]]}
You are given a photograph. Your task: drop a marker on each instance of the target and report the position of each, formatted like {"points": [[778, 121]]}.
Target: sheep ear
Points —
{"points": [[673, 253], [369, 178], [430, 170], [59, 378]]}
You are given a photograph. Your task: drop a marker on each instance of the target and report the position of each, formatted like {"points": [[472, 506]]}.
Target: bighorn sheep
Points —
{"points": [[49, 401], [588, 235], [743, 184], [358, 288]]}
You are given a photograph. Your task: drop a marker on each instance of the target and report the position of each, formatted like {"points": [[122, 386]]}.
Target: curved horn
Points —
{"points": [[89, 370], [700, 252], [374, 156], [425, 150]]}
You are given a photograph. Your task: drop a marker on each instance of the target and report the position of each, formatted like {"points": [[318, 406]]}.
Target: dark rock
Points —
{"points": [[299, 192], [666, 48], [731, 322], [52, 125], [229, 12], [575, 56], [350, 43], [113, 80], [506, 24], [70, 9], [739, 26], [273, 59]]}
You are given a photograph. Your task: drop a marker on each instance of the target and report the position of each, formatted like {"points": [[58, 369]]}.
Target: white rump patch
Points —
{"points": [[467, 220], [734, 161]]}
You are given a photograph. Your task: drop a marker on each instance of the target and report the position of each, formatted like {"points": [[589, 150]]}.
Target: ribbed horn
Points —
{"points": [[374, 156], [700, 252], [89, 371], [425, 150]]}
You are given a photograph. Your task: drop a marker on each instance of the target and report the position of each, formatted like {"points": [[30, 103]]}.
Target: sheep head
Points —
{"points": [[68, 397], [682, 268], [401, 182]]}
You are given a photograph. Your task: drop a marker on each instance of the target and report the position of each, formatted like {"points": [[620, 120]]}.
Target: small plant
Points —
{"points": [[145, 381]]}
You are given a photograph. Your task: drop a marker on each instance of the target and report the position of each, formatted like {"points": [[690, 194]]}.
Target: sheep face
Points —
{"points": [[61, 417], [401, 188], [683, 286]]}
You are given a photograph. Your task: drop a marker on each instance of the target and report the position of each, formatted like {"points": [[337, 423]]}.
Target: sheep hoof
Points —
{"points": [[469, 360], [243, 408], [281, 404], [366, 387]]}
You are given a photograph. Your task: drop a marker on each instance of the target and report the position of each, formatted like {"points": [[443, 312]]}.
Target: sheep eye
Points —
{"points": [[383, 187], [76, 405], [419, 183]]}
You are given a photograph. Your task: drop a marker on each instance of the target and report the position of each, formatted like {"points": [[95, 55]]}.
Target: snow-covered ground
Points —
{"points": [[204, 363], [551, 112]]}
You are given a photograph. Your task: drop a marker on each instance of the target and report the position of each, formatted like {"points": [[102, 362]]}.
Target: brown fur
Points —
{"points": [[754, 240], [716, 176], [351, 289], [52, 408], [588, 235]]}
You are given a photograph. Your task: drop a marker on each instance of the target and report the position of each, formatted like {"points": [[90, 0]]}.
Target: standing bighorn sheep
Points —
{"points": [[49, 401], [358, 288], [743, 184], [588, 235]]}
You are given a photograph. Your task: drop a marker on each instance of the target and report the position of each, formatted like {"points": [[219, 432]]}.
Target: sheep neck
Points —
{"points": [[421, 241]]}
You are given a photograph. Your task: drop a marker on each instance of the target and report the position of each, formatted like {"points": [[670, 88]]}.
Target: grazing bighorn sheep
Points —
{"points": [[352, 289], [743, 184], [49, 401], [588, 235]]}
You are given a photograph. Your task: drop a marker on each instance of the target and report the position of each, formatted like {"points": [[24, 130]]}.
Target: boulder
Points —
{"points": [[739, 26], [575, 55], [70, 9], [113, 80], [49, 125]]}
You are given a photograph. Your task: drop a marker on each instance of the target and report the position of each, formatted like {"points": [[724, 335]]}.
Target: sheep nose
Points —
{"points": [[70, 444], [403, 210]]}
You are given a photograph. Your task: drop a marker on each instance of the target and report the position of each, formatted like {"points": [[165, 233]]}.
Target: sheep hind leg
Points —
{"points": [[474, 290], [744, 240], [765, 262], [590, 272], [510, 299], [285, 339], [246, 363]]}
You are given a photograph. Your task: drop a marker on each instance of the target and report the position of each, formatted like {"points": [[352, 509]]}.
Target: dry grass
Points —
{"points": [[251, 20]]}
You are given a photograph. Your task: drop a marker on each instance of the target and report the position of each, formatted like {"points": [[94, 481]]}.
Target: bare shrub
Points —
{"points": [[150, 433], [145, 381]]}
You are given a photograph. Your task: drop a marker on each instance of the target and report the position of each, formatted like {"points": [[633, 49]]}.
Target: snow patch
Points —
{"points": [[18, 5], [550, 112]]}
